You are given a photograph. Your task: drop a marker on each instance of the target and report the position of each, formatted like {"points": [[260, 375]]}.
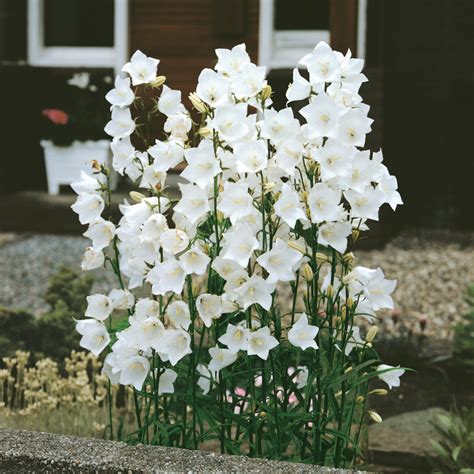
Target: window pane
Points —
{"points": [[302, 14], [79, 23]]}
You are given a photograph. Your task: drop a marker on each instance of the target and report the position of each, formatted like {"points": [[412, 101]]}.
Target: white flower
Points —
{"points": [[212, 88], [249, 81], [353, 127], [225, 267], [167, 276], [123, 154], [239, 244], [195, 261], [235, 201], [251, 157], [230, 122], [99, 307], [299, 89], [178, 345], [288, 154], [255, 290], [220, 358], [288, 206], [122, 95], [302, 376], [92, 259], [377, 290], [141, 68], [178, 125], [323, 203], [152, 177], [153, 228], [194, 202], [147, 308], [204, 382], [388, 185], [178, 314], [202, 164], [166, 154], [95, 336], [89, 207], [366, 204], [209, 307], [122, 125], [322, 115], [232, 61], [121, 299], [261, 342], [278, 126], [135, 371], [88, 184], [334, 159], [174, 241], [302, 334], [322, 64], [353, 340], [334, 234], [235, 338], [169, 102], [390, 375], [166, 382], [101, 233], [279, 262]]}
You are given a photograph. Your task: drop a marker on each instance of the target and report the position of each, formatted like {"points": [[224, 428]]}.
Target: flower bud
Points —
{"points": [[371, 334], [266, 92], [360, 399], [195, 289], [307, 272], [375, 416], [158, 82], [198, 104], [355, 234], [204, 131], [349, 302], [205, 248], [136, 196], [220, 216], [378, 391], [296, 246], [267, 187], [322, 258], [348, 258], [330, 291], [349, 369]]}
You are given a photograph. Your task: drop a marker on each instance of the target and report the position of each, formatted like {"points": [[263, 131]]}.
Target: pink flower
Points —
{"points": [[241, 392], [57, 116], [292, 399]]}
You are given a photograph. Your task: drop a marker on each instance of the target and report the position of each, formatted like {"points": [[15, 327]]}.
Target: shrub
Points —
{"points": [[18, 331]]}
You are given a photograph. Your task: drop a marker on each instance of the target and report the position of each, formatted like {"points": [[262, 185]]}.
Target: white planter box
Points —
{"points": [[64, 163]]}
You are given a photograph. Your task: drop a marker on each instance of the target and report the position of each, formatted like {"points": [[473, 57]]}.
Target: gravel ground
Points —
{"points": [[433, 272], [27, 261]]}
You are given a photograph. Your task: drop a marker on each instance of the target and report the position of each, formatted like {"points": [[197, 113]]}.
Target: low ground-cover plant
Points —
{"points": [[210, 350]]}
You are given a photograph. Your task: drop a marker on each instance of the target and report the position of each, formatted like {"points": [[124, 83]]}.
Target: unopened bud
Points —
{"points": [[195, 289], [266, 92], [205, 248], [307, 272], [304, 196], [378, 391], [158, 82], [375, 416], [136, 196], [330, 290], [220, 216], [198, 104], [338, 394], [348, 257], [295, 246], [349, 302], [371, 334], [360, 399], [355, 234], [204, 131], [322, 257], [349, 369]]}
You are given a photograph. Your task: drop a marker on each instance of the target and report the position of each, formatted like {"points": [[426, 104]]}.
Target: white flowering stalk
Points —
{"points": [[245, 324]]}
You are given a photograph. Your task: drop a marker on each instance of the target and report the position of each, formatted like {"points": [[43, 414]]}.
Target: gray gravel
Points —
{"points": [[24, 451], [26, 263]]}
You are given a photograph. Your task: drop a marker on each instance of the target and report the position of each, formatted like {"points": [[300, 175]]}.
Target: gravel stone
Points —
{"points": [[27, 451]]}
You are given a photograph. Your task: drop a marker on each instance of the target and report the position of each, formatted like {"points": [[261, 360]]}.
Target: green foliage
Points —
{"points": [[18, 331], [455, 448], [53, 333], [463, 341]]}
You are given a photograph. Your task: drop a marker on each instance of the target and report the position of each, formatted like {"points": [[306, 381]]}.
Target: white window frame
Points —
{"points": [[70, 56], [283, 49]]}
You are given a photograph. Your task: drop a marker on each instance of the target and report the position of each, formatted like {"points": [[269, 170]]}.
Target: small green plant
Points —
{"points": [[463, 341], [455, 447]]}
